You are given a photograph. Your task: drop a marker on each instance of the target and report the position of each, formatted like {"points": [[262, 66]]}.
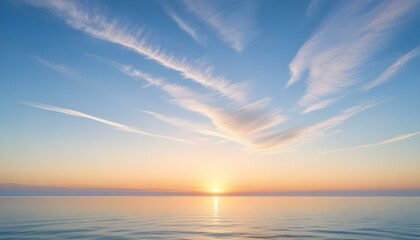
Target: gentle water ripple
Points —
{"points": [[198, 218]]}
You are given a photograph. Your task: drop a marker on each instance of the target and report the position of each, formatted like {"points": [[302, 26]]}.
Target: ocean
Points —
{"points": [[210, 218]]}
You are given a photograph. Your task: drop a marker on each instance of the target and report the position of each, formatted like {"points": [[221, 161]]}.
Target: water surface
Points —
{"points": [[210, 218]]}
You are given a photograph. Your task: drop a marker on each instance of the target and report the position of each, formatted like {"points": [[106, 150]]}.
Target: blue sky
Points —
{"points": [[257, 80]]}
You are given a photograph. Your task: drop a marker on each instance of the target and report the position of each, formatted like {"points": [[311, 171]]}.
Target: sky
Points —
{"points": [[211, 96]]}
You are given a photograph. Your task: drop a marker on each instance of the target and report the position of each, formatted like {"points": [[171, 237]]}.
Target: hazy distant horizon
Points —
{"points": [[14, 189]]}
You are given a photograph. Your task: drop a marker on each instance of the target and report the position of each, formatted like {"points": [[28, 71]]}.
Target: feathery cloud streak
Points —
{"points": [[313, 8], [234, 123], [249, 125], [319, 105], [386, 141], [188, 125], [262, 139], [239, 124], [183, 24], [116, 125], [63, 69], [92, 22], [343, 42], [231, 20], [390, 71], [301, 135]]}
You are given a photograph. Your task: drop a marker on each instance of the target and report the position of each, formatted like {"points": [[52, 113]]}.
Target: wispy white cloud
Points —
{"points": [[313, 8], [386, 141], [233, 21], [184, 25], [236, 123], [390, 71], [345, 40], [60, 68], [96, 24], [231, 122], [319, 105], [116, 125], [174, 90], [301, 135], [188, 125], [250, 125]]}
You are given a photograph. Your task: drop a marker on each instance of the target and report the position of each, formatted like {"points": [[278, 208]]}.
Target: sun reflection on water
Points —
{"points": [[215, 204], [215, 218]]}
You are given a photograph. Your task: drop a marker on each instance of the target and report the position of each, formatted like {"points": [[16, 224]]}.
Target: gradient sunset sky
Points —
{"points": [[190, 96]]}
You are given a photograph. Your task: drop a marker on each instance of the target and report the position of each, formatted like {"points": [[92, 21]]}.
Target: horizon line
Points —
{"points": [[32, 190]]}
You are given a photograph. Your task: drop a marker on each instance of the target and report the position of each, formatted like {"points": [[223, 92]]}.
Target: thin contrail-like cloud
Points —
{"points": [[394, 68], [188, 125], [319, 105], [233, 26], [313, 8], [60, 68], [386, 141], [116, 125], [304, 134], [184, 25]]}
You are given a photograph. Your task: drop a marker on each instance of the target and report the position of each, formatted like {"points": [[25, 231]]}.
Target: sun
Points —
{"points": [[215, 190]]}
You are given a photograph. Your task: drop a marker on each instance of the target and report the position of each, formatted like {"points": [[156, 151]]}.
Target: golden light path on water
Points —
{"points": [[215, 204], [216, 219]]}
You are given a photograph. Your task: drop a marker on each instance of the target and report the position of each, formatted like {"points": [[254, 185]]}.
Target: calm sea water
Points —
{"points": [[210, 218]]}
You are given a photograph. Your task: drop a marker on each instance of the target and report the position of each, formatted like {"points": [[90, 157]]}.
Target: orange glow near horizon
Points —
{"points": [[244, 187], [216, 191], [215, 175]]}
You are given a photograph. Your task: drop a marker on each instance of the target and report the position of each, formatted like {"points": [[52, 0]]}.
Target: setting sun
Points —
{"points": [[215, 190]]}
